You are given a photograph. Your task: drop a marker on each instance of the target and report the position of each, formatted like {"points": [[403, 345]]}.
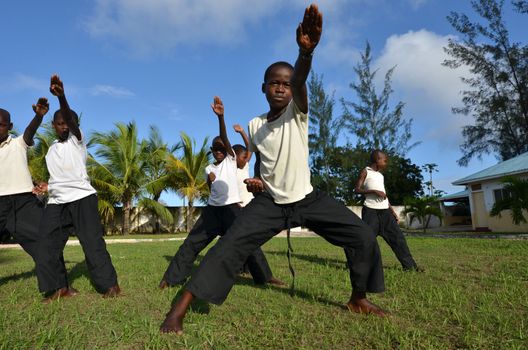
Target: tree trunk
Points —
{"points": [[427, 223], [189, 216], [127, 205]]}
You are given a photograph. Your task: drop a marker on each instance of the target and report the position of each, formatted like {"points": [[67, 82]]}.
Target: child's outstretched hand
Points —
{"points": [[218, 106], [309, 31], [42, 107], [56, 86], [238, 128]]}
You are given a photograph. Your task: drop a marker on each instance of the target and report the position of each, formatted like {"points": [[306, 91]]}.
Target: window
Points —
{"points": [[501, 194], [476, 187]]}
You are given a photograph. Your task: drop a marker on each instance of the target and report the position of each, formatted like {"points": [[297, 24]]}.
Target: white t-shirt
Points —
{"points": [[245, 195], [15, 176], [375, 181], [66, 163], [283, 148], [224, 189]]}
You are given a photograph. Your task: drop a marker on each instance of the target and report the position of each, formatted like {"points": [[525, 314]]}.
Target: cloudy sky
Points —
{"points": [[162, 61]]}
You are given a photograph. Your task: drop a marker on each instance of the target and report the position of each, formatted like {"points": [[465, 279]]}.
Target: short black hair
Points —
{"points": [[376, 154], [5, 114], [239, 149], [58, 114], [216, 139], [275, 65]]}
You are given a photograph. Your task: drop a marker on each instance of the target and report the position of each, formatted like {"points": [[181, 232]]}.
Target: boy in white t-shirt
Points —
{"points": [[72, 201], [220, 212], [20, 209], [377, 211], [279, 139]]}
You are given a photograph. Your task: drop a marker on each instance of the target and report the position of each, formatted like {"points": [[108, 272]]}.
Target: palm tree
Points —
{"points": [[188, 173], [422, 208], [158, 176], [120, 176], [430, 167], [37, 154], [516, 202]]}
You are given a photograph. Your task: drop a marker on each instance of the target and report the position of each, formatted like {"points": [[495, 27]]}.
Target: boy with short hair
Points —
{"points": [[72, 200], [377, 211], [218, 215], [280, 140], [20, 209]]}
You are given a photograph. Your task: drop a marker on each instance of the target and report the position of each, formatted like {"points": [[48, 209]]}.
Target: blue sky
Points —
{"points": [[162, 61]]}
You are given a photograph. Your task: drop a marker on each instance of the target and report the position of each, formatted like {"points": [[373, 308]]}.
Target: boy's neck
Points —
{"points": [[275, 114], [374, 167]]}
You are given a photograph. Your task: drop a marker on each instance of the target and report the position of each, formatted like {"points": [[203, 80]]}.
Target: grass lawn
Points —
{"points": [[474, 294]]}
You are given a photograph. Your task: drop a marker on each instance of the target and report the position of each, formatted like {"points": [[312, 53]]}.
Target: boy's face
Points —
{"points": [[242, 159], [5, 127], [382, 162], [278, 87], [61, 128], [219, 151]]}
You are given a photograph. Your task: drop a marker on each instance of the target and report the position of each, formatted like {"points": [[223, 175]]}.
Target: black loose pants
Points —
{"points": [[20, 214], [213, 221], [83, 215], [263, 219], [383, 223]]}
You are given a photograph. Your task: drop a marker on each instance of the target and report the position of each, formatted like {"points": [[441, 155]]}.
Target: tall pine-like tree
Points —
{"points": [[497, 95], [371, 119], [323, 134]]}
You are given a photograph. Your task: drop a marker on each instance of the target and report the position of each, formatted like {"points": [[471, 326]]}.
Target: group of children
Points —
{"points": [[72, 201], [245, 212]]}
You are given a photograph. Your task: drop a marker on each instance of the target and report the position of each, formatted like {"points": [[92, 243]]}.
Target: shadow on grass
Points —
{"points": [[79, 270], [335, 263], [17, 277], [243, 280], [330, 262]]}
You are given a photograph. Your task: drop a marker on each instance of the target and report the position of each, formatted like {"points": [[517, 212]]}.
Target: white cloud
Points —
{"points": [[112, 91], [429, 89], [415, 4], [160, 25], [23, 82]]}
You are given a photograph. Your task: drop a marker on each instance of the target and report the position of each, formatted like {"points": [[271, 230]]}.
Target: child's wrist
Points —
{"points": [[305, 54]]}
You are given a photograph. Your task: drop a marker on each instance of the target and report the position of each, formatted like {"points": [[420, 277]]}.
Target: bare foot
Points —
{"points": [[112, 292], [276, 282], [63, 292], [163, 284], [173, 323], [364, 306], [72, 291]]}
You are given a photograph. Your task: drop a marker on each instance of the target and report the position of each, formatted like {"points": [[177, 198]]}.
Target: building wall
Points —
{"points": [[482, 201]]}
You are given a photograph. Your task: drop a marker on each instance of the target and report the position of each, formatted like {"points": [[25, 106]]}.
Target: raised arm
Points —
{"points": [[40, 109], [57, 89], [308, 36], [245, 138], [218, 109]]}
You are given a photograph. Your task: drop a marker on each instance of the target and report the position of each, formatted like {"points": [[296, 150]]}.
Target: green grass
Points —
{"points": [[473, 295]]}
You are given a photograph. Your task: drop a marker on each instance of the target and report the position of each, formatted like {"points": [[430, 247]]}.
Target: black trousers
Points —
{"points": [[20, 214], [384, 224], [262, 219], [82, 214], [212, 222]]}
